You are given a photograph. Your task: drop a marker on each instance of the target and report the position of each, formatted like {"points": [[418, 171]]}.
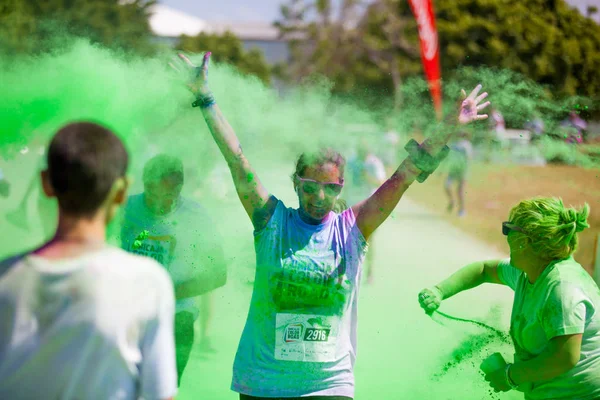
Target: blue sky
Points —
{"points": [[265, 10]]}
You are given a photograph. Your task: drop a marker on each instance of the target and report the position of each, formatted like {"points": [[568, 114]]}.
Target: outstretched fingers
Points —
{"points": [[475, 92], [186, 60], [205, 61], [482, 106], [481, 97]]}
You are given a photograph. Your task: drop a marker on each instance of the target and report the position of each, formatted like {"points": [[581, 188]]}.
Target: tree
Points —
{"points": [[31, 26], [320, 42], [390, 41], [544, 40], [227, 48]]}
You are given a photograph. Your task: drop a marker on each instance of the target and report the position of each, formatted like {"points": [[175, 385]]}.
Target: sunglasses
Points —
{"points": [[310, 186], [507, 227]]}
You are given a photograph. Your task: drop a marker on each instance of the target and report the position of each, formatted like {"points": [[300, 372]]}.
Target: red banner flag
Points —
{"points": [[430, 54]]}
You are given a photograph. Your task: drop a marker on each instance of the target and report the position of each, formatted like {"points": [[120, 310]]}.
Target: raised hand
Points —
{"points": [[197, 76], [470, 106]]}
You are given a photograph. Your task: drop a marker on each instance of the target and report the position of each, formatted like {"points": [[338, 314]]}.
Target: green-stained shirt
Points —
{"points": [[564, 300]]}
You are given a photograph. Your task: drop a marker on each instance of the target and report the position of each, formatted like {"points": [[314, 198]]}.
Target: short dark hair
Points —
{"points": [[163, 166], [84, 161]]}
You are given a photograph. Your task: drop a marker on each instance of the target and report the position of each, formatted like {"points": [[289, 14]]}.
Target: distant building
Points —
{"points": [[168, 24]]}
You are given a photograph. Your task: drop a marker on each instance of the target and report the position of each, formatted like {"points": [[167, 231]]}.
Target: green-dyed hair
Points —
{"points": [[550, 226]]}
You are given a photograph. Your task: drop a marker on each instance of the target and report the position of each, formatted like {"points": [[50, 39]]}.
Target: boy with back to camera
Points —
{"points": [[72, 323]]}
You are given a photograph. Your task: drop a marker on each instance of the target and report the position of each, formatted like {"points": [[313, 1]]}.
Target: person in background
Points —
{"points": [[181, 236], [498, 127], [536, 127], [461, 152], [498, 124], [574, 127]]}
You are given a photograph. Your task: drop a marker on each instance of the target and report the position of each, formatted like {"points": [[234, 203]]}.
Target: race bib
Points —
{"points": [[305, 337]]}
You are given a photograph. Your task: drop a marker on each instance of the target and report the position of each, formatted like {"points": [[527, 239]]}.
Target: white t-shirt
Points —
{"points": [[98, 326]]}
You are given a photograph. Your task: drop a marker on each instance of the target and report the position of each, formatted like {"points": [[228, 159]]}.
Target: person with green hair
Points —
{"points": [[555, 321]]}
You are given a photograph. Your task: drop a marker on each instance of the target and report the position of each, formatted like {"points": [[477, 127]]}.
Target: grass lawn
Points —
{"points": [[493, 189]]}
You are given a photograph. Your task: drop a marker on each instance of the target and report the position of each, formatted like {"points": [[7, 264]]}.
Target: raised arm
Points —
{"points": [[255, 198], [373, 211]]}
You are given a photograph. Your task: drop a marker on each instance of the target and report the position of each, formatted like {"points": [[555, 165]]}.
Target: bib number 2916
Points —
{"points": [[316, 335]]}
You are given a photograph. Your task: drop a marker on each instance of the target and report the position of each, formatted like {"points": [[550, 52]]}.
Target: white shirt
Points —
{"points": [[98, 326]]}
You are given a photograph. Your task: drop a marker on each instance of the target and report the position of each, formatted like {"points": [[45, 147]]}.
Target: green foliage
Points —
{"points": [[227, 48], [32, 26], [559, 152], [365, 52], [545, 41]]}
